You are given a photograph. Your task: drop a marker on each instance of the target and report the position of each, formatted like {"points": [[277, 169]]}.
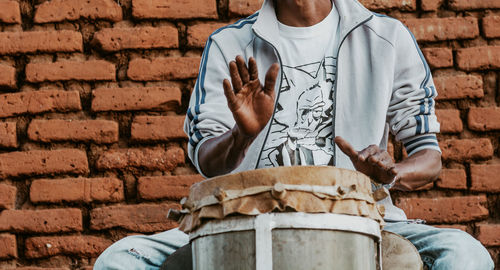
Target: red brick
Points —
{"points": [[77, 190], [489, 234], [173, 9], [450, 120], [136, 99], [438, 57], [98, 131], [166, 187], [485, 177], [115, 39], [473, 4], [90, 70], [38, 268], [10, 12], [431, 5], [198, 34], [452, 179], [406, 5], [72, 10], [7, 76], [34, 102], [437, 29], [40, 41], [479, 58], [144, 158], [452, 226], [445, 209], [158, 128], [159, 69], [491, 27], [244, 7], [41, 221], [8, 245], [7, 196], [458, 87], [466, 149], [81, 245], [8, 136], [484, 119], [138, 218], [38, 162]]}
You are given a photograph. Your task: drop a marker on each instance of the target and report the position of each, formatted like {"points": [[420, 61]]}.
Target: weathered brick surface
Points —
{"points": [[479, 58], [244, 7], [34, 102], [445, 209], [8, 135], [490, 26], [173, 9], [484, 119], [145, 158], [7, 196], [135, 99], [437, 29], [466, 149], [158, 128], [450, 120], [98, 131], [115, 39], [457, 87], [138, 218], [438, 57], [10, 12], [8, 246], [90, 70], [38, 162], [81, 245], [489, 234], [389, 4], [77, 190], [165, 68], [166, 187], [7, 76], [198, 34], [430, 5], [71, 10], [452, 179], [473, 4], [40, 41], [41, 221], [485, 177]]}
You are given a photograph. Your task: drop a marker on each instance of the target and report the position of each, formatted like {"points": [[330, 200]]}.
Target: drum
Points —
{"points": [[399, 253]]}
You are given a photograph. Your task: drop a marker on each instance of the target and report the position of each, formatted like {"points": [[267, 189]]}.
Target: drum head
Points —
{"points": [[399, 253]]}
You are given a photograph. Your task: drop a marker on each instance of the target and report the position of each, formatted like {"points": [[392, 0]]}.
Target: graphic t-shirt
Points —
{"points": [[302, 128]]}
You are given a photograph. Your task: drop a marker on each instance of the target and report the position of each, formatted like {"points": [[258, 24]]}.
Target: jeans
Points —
{"points": [[438, 248]]}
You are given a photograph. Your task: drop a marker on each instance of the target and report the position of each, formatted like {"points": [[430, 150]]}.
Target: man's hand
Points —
{"points": [[372, 161], [251, 103]]}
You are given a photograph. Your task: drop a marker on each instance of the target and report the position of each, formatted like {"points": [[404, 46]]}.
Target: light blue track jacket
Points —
{"points": [[383, 84]]}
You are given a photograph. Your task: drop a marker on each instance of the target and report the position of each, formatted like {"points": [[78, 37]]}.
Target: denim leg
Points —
{"points": [[141, 252], [442, 249]]}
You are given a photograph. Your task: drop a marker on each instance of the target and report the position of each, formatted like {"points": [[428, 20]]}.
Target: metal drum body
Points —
{"points": [[287, 241]]}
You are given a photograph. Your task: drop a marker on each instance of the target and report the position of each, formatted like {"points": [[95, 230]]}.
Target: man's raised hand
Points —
{"points": [[251, 103]]}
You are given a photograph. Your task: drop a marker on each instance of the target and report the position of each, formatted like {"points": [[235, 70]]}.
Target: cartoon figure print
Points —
{"points": [[301, 130]]}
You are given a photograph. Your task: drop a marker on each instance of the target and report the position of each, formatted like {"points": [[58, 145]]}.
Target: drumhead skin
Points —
{"points": [[399, 253]]}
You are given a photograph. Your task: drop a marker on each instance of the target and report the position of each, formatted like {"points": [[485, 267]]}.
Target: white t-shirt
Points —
{"points": [[301, 130]]}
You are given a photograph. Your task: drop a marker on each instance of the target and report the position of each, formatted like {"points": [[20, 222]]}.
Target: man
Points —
{"points": [[334, 70]]}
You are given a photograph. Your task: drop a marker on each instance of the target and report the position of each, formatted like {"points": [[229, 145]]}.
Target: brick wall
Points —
{"points": [[92, 97]]}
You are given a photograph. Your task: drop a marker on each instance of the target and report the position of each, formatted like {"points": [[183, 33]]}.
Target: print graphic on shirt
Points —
{"points": [[301, 130]]}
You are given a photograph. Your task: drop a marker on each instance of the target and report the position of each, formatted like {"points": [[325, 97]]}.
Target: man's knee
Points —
{"points": [[118, 254]]}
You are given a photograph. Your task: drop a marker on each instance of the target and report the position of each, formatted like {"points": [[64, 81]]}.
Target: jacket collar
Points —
{"points": [[351, 14]]}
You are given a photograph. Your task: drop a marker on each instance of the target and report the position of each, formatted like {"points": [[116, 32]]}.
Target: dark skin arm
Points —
{"points": [[415, 171]]}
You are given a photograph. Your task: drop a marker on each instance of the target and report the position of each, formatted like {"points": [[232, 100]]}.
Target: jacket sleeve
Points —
{"points": [[208, 115], [411, 114]]}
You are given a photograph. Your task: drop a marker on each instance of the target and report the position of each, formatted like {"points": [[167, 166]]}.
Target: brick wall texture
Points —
{"points": [[92, 100]]}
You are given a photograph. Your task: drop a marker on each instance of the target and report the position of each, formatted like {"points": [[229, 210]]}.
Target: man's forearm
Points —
{"points": [[224, 153], [419, 169]]}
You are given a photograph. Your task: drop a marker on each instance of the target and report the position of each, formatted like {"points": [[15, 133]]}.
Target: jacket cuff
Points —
{"points": [[421, 142]]}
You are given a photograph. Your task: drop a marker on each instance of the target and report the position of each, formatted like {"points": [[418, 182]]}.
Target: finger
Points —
{"points": [[271, 76], [367, 152], [228, 92], [242, 68], [252, 67], [235, 76], [346, 147]]}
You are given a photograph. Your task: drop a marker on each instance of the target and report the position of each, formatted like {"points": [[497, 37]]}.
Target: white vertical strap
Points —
{"points": [[263, 242]]}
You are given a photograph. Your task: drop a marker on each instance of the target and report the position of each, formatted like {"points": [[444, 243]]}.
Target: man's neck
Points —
{"points": [[302, 13]]}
